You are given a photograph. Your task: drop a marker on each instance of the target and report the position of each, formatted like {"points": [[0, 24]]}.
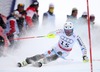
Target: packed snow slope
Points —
{"points": [[30, 47]]}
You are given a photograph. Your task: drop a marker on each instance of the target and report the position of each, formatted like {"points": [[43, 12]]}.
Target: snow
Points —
{"points": [[30, 47]]}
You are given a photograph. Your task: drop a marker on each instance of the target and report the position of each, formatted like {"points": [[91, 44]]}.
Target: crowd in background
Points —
{"points": [[20, 21]]}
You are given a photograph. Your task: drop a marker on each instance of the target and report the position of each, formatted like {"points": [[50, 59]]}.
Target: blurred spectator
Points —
{"points": [[3, 38], [73, 16], [4, 42], [49, 17], [20, 7], [83, 19], [12, 29], [34, 0], [21, 20], [2, 23], [32, 17], [92, 19]]}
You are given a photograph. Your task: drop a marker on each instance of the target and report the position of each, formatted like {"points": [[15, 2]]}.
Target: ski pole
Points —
{"points": [[48, 36], [28, 37]]}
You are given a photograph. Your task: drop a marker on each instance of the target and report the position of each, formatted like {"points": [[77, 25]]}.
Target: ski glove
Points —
{"points": [[51, 35], [85, 59]]}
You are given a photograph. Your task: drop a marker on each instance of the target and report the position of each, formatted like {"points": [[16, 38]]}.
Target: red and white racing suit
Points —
{"points": [[65, 44]]}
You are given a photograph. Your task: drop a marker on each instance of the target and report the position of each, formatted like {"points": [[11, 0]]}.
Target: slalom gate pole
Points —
{"points": [[89, 35]]}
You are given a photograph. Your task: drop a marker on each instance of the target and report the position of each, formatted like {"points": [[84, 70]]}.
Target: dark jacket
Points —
{"points": [[2, 23]]}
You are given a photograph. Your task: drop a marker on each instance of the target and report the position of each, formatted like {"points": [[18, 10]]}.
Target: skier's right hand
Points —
{"points": [[85, 58], [51, 35]]}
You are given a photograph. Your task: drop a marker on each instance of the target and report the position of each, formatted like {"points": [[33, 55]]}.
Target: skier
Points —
{"points": [[60, 50]]}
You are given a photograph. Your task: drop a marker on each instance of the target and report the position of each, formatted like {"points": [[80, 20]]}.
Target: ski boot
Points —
{"points": [[37, 64], [22, 64]]}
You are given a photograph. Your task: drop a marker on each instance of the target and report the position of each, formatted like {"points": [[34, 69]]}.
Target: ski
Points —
{"points": [[39, 64], [34, 64]]}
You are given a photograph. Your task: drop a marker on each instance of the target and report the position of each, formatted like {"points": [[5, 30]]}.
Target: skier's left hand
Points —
{"points": [[85, 59]]}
